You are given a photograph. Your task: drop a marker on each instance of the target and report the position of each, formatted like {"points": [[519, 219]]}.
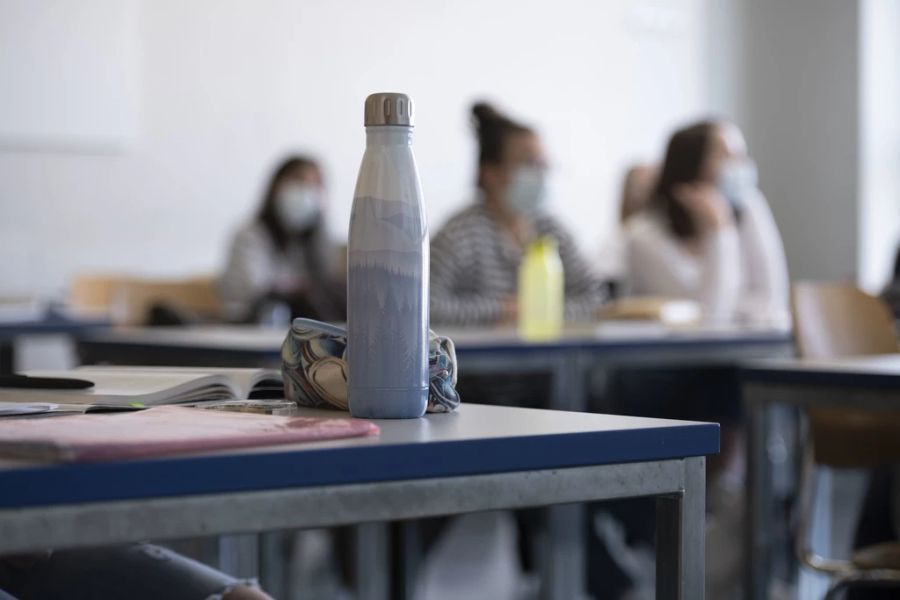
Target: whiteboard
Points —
{"points": [[69, 74]]}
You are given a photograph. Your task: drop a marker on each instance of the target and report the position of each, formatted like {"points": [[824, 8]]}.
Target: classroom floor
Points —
{"points": [[475, 558]]}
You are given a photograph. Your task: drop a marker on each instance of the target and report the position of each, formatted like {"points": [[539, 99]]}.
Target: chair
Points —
{"points": [[128, 300], [831, 321], [835, 320]]}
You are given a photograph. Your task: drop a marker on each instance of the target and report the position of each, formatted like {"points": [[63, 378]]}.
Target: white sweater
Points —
{"points": [[738, 275], [256, 266]]}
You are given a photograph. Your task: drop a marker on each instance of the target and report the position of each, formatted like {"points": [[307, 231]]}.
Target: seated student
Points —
{"points": [[475, 260], [135, 571], [709, 234], [283, 255], [475, 257]]}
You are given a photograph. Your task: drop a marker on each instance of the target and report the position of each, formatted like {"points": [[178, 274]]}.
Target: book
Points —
{"points": [[130, 388], [163, 431], [668, 311]]}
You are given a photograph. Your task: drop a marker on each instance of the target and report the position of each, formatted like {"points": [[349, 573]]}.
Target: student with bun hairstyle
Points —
{"points": [[475, 257]]}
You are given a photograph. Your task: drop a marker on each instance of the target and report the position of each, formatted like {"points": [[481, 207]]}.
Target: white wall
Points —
{"points": [[800, 109], [226, 87], [79, 91], [879, 193]]}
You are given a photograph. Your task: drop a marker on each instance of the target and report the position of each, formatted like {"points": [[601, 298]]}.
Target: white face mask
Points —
{"points": [[528, 189], [737, 180], [297, 205]]}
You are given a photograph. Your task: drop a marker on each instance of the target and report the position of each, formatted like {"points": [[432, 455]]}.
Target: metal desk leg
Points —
{"points": [[239, 555], [562, 569], [276, 551], [406, 557], [7, 356], [372, 568], [758, 494], [681, 537]]}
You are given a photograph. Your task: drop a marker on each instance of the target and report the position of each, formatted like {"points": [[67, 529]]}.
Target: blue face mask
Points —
{"points": [[528, 190], [737, 180]]}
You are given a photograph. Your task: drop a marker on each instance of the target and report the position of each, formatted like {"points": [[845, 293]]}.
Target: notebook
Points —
{"points": [[124, 388], [669, 311], [163, 431]]}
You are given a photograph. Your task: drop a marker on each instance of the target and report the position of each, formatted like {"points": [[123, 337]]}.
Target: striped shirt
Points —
{"points": [[475, 267]]}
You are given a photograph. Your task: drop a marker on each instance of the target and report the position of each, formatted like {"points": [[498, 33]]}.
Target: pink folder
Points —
{"points": [[164, 430]]}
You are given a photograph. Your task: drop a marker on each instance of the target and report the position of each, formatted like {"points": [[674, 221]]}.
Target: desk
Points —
{"points": [[578, 353], [480, 458], [51, 323], [871, 382], [568, 359]]}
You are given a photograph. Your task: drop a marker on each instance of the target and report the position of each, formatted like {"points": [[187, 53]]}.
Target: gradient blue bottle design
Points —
{"points": [[387, 270]]}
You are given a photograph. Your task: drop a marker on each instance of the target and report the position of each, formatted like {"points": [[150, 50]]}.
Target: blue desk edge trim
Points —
{"points": [[786, 375], [219, 474]]}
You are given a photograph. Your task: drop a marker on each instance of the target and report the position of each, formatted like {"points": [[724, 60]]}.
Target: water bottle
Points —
{"points": [[541, 291], [387, 270]]}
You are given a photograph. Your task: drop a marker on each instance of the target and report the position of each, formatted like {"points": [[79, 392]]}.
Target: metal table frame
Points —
{"points": [[570, 362], [570, 366], [678, 485], [760, 396]]}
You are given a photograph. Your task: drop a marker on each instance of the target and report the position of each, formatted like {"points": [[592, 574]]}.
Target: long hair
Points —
{"points": [[685, 155], [311, 240]]}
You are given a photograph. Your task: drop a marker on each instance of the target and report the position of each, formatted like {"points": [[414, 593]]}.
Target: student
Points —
{"points": [[283, 254], [134, 571], [709, 234], [475, 257]]}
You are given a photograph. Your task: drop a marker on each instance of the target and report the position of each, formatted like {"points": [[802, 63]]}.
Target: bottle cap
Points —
{"points": [[389, 108]]}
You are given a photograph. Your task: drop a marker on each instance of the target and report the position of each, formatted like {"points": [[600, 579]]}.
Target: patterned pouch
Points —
{"points": [[314, 367]]}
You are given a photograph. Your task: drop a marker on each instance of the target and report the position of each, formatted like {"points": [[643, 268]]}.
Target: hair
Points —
{"points": [[268, 214], [637, 190], [897, 265], [493, 129], [684, 160]]}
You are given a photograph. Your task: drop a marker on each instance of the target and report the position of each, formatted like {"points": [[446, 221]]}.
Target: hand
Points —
{"points": [[709, 210]]}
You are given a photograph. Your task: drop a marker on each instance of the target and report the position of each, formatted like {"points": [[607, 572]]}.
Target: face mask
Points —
{"points": [[527, 190], [297, 205], [737, 179]]}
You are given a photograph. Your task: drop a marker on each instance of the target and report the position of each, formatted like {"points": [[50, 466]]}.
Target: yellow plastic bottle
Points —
{"points": [[541, 291]]}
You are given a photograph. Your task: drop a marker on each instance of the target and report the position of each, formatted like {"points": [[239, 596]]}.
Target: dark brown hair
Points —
{"points": [[493, 129], [897, 265], [685, 156], [268, 214]]}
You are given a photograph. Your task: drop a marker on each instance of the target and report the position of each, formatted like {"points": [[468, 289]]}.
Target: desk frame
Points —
{"points": [[760, 396], [678, 485]]}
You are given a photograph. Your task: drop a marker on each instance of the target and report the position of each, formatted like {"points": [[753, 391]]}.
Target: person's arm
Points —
{"points": [[765, 262], [248, 274], [585, 292], [451, 303], [657, 266], [720, 278]]}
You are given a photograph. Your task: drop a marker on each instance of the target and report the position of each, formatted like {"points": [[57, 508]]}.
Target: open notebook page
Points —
{"points": [[129, 389]]}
